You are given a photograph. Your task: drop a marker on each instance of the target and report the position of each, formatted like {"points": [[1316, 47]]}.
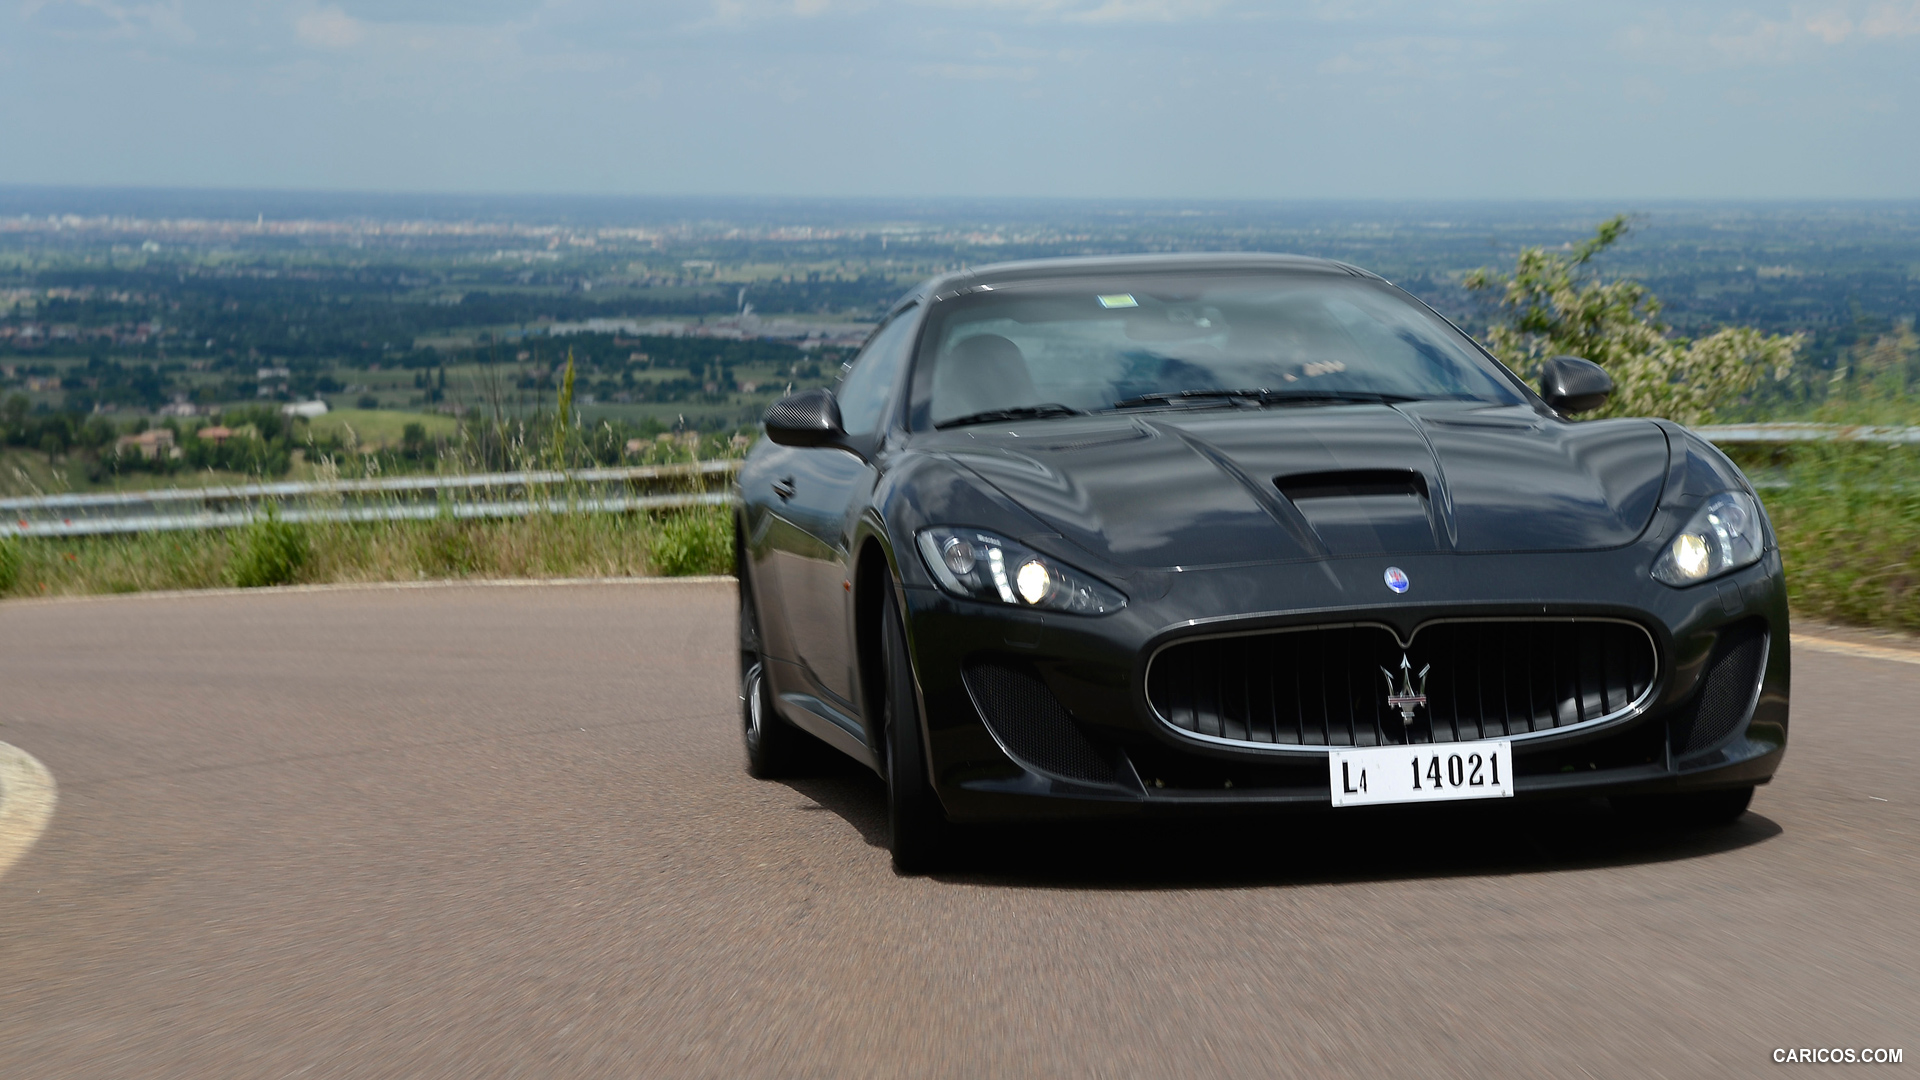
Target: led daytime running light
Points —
{"points": [[980, 566], [998, 564]]}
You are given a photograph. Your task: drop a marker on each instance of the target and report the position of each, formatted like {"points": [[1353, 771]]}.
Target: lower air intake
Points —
{"points": [[1727, 691], [1032, 724]]}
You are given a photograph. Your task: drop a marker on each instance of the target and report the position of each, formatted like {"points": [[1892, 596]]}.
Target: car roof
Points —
{"points": [[1106, 265]]}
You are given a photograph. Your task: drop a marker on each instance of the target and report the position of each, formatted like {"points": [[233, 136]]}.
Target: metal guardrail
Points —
{"points": [[1798, 432], [492, 495], [477, 495]]}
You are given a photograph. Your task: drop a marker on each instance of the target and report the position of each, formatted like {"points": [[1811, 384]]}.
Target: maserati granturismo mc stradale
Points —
{"points": [[1163, 534]]}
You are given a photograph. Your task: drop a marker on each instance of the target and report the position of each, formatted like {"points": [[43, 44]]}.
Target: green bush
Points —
{"points": [[693, 542], [1553, 304], [447, 548], [269, 551], [9, 563]]}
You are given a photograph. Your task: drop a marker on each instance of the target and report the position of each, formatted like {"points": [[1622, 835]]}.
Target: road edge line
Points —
{"points": [[1848, 648], [27, 797]]}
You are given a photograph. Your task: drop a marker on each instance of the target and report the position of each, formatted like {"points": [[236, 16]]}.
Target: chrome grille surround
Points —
{"points": [[1641, 690]]}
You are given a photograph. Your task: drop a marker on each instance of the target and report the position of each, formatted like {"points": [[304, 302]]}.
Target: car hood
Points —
{"points": [[1211, 487]]}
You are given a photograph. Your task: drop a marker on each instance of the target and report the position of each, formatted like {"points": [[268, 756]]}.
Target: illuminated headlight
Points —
{"points": [[981, 566], [1724, 535]]}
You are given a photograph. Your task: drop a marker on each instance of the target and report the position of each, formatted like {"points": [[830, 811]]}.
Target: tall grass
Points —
{"points": [[1848, 513], [695, 541], [1849, 528], [558, 541]]}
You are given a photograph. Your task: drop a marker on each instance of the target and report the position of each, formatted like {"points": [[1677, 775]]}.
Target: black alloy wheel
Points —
{"points": [[1688, 810], [774, 747], [920, 831]]}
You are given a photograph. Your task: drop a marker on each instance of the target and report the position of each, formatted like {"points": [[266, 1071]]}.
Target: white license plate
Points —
{"points": [[1433, 772]]}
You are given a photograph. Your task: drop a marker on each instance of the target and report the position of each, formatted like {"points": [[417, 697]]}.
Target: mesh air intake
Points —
{"points": [[1727, 690], [1032, 724]]}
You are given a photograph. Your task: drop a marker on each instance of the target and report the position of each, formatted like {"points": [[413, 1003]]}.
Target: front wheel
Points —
{"points": [[774, 747], [919, 825]]}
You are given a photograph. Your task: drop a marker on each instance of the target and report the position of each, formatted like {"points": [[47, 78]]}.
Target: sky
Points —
{"points": [[1185, 99]]}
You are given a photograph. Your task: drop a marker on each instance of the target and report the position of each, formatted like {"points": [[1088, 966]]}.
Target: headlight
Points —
{"points": [[981, 566], [1725, 535]]}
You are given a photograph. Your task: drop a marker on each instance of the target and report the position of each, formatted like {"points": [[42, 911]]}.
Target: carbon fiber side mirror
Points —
{"points": [[808, 418], [1572, 385]]}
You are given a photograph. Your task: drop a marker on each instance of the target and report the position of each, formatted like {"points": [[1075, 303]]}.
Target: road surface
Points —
{"points": [[474, 832]]}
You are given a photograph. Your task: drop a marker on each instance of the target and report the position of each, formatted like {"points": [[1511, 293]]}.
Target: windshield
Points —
{"points": [[1097, 344]]}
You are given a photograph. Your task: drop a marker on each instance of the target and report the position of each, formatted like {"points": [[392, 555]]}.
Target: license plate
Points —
{"points": [[1434, 772]]}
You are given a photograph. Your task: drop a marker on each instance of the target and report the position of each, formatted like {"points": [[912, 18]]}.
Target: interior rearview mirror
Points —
{"points": [[1572, 385], [808, 418]]}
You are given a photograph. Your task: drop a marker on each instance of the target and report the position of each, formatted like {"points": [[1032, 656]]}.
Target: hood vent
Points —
{"points": [[1364, 511]]}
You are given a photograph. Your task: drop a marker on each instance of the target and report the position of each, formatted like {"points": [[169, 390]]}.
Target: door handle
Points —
{"points": [[784, 488]]}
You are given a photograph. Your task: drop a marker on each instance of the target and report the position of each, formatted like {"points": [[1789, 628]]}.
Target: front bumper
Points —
{"points": [[1094, 669]]}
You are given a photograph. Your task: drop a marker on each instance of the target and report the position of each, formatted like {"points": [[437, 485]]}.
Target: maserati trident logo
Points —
{"points": [[1397, 579], [1406, 699]]}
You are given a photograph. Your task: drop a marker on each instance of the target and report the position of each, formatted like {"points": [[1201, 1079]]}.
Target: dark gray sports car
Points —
{"points": [[1175, 533]]}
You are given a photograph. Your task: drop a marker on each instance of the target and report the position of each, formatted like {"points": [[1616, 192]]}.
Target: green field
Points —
{"points": [[380, 429], [25, 473]]}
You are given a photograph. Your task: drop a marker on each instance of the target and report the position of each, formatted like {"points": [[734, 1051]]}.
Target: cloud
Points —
{"points": [[1878, 21], [740, 12], [422, 93], [1117, 11], [1760, 41], [439, 11], [330, 28], [734, 14], [379, 42], [1745, 39], [1891, 20], [105, 19], [1831, 27]]}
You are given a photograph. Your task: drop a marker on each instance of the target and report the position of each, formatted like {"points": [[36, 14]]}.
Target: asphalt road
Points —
{"points": [[505, 832]]}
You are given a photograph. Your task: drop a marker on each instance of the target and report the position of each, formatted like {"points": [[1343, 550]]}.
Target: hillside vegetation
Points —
{"points": [[1848, 515]]}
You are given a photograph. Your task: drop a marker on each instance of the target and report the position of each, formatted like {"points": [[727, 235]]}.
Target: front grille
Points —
{"points": [[1329, 686], [1031, 723]]}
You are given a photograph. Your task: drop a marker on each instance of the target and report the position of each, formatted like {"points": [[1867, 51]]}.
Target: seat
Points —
{"points": [[980, 374]]}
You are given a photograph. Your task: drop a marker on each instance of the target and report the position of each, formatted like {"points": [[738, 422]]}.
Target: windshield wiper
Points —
{"points": [[1177, 397], [1018, 412], [1339, 397], [1204, 398]]}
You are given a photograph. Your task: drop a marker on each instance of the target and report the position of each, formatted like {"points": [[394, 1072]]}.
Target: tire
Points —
{"points": [[774, 747], [1691, 810], [921, 834]]}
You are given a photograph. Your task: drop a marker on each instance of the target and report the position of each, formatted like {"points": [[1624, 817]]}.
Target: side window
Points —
{"points": [[864, 392]]}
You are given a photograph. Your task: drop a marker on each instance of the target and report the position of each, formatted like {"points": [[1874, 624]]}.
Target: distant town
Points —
{"points": [[119, 319]]}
